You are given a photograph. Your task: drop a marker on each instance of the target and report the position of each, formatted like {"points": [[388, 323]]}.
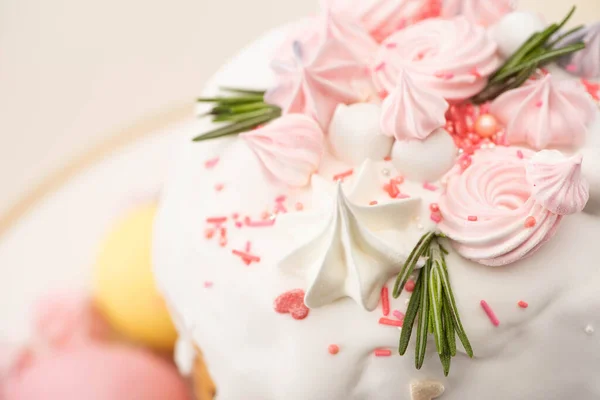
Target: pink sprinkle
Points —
{"points": [[209, 164], [222, 241], [333, 349], [382, 353], [246, 256], [299, 206], [385, 301], [280, 199], [571, 68], [472, 218], [264, 215], [208, 284], [390, 322], [539, 104], [341, 176], [436, 217], [235, 215], [382, 94], [475, 72], [216, 220], [391, 45], [387, 158], [399, 315], [209, 233], [248, 246], [444, 75], [373, 203], [434, 207], [409, 286], [401, 196], [238, 224], [219, 187], [530, 222], [490, 313], [380, 66], [429, 186], [520, 154], [259, 224], [392, 189], [523, 304], [280, 208]]}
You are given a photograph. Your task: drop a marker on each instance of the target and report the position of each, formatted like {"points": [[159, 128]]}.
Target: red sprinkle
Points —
{"points": [[238, 224], [490, 313], [209, 233], [530, 222], [259, 224], [209, 164], [246, 256], [401, 196], [523, 304], [392, 189], [216, 220], [571, 68], [436, 217], [434, 207], [333, 349], [341, 176], [592, 88], [520, 154], [382, 353], [380, 66], [292, 302], [390, 322], [382, 94], [429, 186], [391, 45], [208, 284], [385, 301], [410, 285], [373, 203], [399, 315], [280, 199], [248, 246], [472, 218], [299, 206], [387, 158]]}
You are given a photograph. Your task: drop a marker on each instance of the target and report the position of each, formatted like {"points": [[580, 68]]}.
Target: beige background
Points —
{"points": [[75, 72]]}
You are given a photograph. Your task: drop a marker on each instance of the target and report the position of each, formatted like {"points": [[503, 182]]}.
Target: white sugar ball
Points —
{"points": [[355, 134], [425, 160], [514, 29]]}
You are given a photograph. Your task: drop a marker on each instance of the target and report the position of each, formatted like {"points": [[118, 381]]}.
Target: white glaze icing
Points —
{"points": [[256, 354], [355, 134]]}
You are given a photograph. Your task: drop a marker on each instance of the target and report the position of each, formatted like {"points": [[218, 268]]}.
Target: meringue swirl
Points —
{"points": [[544, 112], [411, 113], [289, 148], [452, 58], [481, 12], [586, 62], [489, 211]]}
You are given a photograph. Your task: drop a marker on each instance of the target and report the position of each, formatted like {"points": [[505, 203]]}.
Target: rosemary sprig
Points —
{"points": [[432, 304], [538, 51], [242, 110]]}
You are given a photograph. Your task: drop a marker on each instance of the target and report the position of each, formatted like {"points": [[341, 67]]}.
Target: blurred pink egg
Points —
{"points": [[97, 372]]}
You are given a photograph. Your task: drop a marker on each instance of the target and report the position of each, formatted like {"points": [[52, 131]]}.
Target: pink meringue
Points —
{"points": [[557, 183], [312, 32], [382, 17], [316, 85], [586, 62], [544, 112], [481, 12], [452, 58], [411, 112], [290, 148], [510, 223]]}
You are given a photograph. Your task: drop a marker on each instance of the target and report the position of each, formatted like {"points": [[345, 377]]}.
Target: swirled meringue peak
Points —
{"points": [[586, 62], [290, 148], [490, 211], [384, 17], [557, 183], [544, 112], [411, 112], [481, 12], [452, 58], [315, 85]]}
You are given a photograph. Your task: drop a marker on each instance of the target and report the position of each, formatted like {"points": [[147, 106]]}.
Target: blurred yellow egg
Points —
{"points": [[124, 286]]}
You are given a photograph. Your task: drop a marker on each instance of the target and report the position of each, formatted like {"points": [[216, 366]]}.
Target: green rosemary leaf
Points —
{"points": [[435, 302], [244, 91], [445, 356], [411, 262], [449, 328], [423, 317], [242, 116], [564, 35], [566, 18], [530, 44], [232, 100], [239, 127], [451, 302], [542, 58], [251, 107], [409, 317]]}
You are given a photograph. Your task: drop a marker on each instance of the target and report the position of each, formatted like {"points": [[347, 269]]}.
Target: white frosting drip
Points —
{"points": [[346, 258], [276, 357]]}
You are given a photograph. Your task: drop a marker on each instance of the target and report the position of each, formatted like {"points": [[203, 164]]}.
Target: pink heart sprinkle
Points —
{"points": [[292, 302]]}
